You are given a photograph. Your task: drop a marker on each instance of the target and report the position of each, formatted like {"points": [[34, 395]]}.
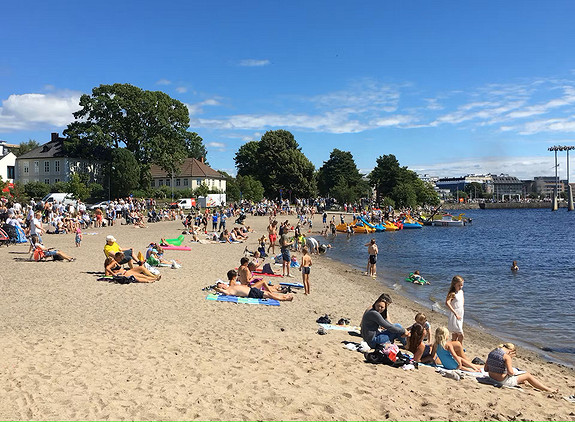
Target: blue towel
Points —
{"points": [[248, 300]]}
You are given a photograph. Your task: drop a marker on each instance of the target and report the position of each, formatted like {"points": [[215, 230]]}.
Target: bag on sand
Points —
{"points": [[267, 269]]}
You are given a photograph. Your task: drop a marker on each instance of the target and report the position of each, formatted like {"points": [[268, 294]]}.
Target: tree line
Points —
{"points": [[129, 129]]}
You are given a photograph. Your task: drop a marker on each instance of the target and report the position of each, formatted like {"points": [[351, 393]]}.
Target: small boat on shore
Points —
{"points": [[448, 221]]}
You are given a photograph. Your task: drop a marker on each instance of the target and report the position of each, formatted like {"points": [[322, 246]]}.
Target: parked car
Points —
{"points": [[62, 197], [102, 205]]}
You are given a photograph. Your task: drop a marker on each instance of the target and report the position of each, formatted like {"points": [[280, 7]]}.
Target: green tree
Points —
{"points": [[195, 147], [59, 187], [278, 163], [250, 188], [474, 189], [78, 188], [339, 165], [124, 174], [150, 124], [36, 190], [247, 161], [400, 184], [25, 147], [201, 190]]}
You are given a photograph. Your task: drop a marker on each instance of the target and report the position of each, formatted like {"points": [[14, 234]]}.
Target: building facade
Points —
{"points": [[7, 162], [193, 174], [49, 164]]}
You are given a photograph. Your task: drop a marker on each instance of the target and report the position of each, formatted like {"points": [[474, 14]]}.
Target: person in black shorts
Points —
{"points": [[241, 290], [372, 251]]}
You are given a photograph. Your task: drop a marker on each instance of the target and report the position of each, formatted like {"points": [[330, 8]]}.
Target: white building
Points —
{"points": [[7, 162], [49, 164], [193, 173]]}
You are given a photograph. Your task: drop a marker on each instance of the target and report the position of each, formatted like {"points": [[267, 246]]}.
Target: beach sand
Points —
{"points": [[75, 348]]}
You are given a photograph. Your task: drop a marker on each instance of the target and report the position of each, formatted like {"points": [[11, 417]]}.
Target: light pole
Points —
{"points": [[556, 189]]}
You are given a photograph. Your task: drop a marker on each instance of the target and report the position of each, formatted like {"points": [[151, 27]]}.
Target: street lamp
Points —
{"points": [[556, 190]]}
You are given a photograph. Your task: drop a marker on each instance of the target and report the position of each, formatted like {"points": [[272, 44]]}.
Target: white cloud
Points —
{"points": [[164, 82], [198, 108], [181, 89], [29, 111], [253, 63], [220, 146], [520, 167]]}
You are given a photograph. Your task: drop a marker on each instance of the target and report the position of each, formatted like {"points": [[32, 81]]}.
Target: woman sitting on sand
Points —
{"points": [[376, 327], [112, 267], [500, 368], [421, 351], [451, 353]]}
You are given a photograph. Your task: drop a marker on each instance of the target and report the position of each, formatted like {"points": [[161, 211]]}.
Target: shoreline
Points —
{"points": [[80, 349]]}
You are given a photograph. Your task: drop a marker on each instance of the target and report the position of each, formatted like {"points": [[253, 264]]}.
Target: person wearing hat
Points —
{"points": [[112, 248]]}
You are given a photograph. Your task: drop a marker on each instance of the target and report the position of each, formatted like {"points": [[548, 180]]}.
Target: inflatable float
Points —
{"points": [[416, 279]]}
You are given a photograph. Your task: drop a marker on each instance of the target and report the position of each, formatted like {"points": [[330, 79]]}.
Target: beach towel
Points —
{"points": [[340, 327], [248, 300], [177, 248], [296, 285]]}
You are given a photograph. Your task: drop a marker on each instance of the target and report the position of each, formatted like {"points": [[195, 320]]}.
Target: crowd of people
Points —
{"points": [[445, 347]]}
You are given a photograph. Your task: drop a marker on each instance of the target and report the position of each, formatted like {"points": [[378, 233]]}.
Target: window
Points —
{"points": [[185, 182], [177, 182], [167, 182], [46, 166], [47, 181], [56, 180], [57, 166], [199, 182], [11, 172], [153, 183], [160, 182], [36, 167], [85, 166], [25, 167]]}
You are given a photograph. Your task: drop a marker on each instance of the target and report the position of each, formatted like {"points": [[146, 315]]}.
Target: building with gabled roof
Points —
{"points": [[193, 173], [49, 164]]}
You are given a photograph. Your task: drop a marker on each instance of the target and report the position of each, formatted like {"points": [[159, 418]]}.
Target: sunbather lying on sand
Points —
{"points": [[141, 274], [242, 290]]}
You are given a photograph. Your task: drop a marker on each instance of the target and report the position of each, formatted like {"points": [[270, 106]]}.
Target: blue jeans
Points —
{"points": [[387, 337]]}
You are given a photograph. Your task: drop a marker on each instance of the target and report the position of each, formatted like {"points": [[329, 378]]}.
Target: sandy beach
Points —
{"points": [[75, 348]]}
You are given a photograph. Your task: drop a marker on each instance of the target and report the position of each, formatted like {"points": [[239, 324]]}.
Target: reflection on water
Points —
{"points": [[533, 306]]}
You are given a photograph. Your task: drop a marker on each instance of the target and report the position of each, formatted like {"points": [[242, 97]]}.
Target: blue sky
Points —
{"points": [[448, 87]]}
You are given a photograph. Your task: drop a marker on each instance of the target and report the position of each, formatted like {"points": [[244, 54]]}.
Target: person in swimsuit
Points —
{"points": [[305, 269], [273, 235], [112, 267], [372, 251], [500, 368], [421, 351], [451, 353], [514, 267], [241, 290]]}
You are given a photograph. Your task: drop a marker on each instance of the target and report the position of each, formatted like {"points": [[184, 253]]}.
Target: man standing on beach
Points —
{"points": [[285, 244], [372, 251]]}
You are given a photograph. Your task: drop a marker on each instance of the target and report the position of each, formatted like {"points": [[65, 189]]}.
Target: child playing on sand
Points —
{"points": [[78, 237], [454, 303], [305, 269]]}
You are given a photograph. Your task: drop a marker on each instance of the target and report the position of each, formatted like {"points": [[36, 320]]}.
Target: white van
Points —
{"points": [[64, 198]]}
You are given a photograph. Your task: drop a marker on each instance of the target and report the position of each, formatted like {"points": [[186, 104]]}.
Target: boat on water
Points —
{"points": [[410, 223], [449, 220]]}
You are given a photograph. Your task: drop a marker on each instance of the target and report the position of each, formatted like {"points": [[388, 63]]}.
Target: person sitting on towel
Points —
{"points": [[241, 290], [246, 277]]}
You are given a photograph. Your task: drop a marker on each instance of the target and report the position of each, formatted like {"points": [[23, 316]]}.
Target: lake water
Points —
{"points": [[534, 307]]}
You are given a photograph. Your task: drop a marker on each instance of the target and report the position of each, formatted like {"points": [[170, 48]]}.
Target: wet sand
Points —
{"points": [[76, 348]]}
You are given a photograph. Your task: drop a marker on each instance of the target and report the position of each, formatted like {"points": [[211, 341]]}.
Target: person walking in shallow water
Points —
{"points": [[372, 260]]}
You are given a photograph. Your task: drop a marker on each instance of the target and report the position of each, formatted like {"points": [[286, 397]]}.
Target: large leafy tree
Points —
{"points": [[400, 184], [25, 147], [124, 173], [150, 124], [279, 164], [340, 178]]}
